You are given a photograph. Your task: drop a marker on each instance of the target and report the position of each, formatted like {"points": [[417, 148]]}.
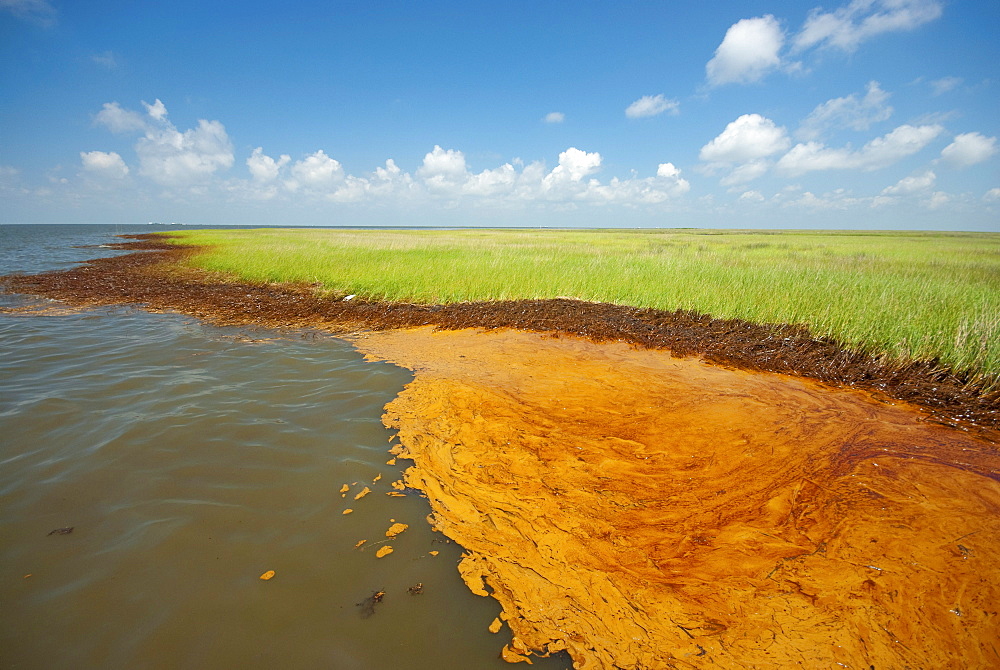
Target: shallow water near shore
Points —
{"points": [[189, 460]]}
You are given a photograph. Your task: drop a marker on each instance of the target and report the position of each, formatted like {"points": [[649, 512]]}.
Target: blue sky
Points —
{"points": [[879, 114]]}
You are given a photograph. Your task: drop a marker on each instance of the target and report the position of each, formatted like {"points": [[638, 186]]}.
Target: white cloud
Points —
{"points": [[969, 149], [103, 164], [36, 11], [751, 196], [170, 157], [119, 120], [847, 112], [574, 165], [945, 84], [992, 195], [747, 52], [914, 184], [443, 170], [880, 152], [554, 117], [167, 155], [937, 200], [175, 158], [444, 176], [860, 20], [651, 105], [157, 110], [264, 168], [748, 138], [315, 172]]}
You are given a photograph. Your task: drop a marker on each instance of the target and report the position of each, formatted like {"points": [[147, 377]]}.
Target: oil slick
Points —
{"points": [[640, 510]]}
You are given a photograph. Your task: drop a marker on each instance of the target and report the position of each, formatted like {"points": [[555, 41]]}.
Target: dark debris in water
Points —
{"points": [[152, 279], [368, 604], [62, 531]]}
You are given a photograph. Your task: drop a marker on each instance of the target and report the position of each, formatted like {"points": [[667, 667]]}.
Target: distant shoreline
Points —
{"points": [[155, 279]]}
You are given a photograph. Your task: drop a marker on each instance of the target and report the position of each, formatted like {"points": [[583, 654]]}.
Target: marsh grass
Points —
{"points": [[923, 296]]}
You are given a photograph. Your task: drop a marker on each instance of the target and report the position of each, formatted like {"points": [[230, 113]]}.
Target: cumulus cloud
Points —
{"points": [[443, 170], [157, 110], [847, 112], [992, 195], [167, 155], [119, 120], [445, 176], [913, 184], [315, 172], [194, 157], [554, 117], [651, 105], [263, 168], [969, 148], [880, 152], [753, 48], [748, 51], [937, 200], [574, 165], [109, 165], [36, 11], [748, 138], [751, 196], [171, 157], [860, 20]]}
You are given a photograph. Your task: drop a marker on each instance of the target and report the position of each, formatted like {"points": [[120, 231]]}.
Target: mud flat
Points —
{"points": [[646, 511], [673, 504]]}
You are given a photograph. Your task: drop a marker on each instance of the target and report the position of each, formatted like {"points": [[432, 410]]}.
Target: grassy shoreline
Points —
{"points": [[916, 296]]}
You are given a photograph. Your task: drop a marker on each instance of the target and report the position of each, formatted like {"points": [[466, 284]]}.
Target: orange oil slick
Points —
{"points": [[645, 511]]}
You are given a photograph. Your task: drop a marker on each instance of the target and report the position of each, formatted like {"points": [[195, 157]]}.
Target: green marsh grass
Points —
{"points": [[902, 295]]}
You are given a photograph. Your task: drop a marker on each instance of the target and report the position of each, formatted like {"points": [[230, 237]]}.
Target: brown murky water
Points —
{"points": [[644, 511], [189, 460]]}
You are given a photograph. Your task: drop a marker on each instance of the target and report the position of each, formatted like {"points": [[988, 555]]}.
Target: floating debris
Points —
{"points": [[384, 551], [495, 626], [365, 491], [377, 478], [395, 529], [360, 542], [433, 553], [267, 575], [347, 511], [416, 589], [368, 604], [62, 531]]}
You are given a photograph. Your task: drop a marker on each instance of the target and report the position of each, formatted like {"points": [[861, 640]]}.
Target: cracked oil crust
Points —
{"points": [[645, 511]]}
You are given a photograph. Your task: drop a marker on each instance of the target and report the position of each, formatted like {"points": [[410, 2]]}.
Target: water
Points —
{"points": [[190, 459]]}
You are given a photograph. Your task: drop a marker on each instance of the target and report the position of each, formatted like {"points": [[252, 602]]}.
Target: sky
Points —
{"points": [[856, 114]]}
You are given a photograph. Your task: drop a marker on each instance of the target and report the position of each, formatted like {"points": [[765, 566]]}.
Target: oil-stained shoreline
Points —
{"points": [[152, 279], [645, 511]]}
